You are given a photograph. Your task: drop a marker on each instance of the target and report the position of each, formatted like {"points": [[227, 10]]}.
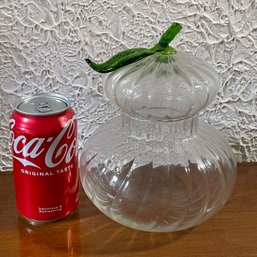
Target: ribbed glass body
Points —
{"points": [[157, 167]]}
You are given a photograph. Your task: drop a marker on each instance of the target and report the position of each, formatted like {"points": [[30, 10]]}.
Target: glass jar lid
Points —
{"points": [[163, 87]]}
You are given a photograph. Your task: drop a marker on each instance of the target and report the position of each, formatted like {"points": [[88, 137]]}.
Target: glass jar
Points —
{"points": [[157, 167]]}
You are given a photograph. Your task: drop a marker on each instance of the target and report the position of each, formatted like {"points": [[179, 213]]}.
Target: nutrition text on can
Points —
{"points": [[44, 150]]}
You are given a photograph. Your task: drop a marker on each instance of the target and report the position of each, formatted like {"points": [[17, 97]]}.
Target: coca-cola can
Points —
{"points": [[44, 150]]}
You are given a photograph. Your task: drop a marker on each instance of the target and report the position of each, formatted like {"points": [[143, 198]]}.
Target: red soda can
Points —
{"points": [[44, 150]]}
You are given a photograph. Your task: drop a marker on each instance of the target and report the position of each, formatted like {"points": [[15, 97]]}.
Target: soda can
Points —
{"points": [[43, 131]]}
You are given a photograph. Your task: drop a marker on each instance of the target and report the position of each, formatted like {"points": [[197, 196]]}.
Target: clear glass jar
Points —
{"points": [[157, 167]]}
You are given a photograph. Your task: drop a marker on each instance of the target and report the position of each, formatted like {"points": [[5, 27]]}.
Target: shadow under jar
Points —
{"points": [[157, 167]]}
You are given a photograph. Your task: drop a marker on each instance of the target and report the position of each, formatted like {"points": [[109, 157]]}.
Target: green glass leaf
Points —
{"points": [[121, 59], [135, 54]]}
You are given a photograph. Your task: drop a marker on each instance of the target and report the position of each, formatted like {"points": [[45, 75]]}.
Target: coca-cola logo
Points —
{"points": [[55, 150]]}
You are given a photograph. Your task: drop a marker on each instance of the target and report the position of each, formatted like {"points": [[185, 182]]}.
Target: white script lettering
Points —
{"points": [[56, 153]]}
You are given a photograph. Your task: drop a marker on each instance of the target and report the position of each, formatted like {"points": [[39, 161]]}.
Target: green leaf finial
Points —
{"points": [[135, 54]]}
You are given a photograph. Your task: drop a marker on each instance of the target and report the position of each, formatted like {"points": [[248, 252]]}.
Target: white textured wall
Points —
{"points": [[43, 44]]}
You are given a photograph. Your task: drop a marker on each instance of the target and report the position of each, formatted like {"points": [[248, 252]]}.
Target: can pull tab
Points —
{"points": [[43, 107]]}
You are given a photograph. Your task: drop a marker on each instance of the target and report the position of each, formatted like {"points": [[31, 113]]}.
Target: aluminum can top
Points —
{"points": [[43, 104]]}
